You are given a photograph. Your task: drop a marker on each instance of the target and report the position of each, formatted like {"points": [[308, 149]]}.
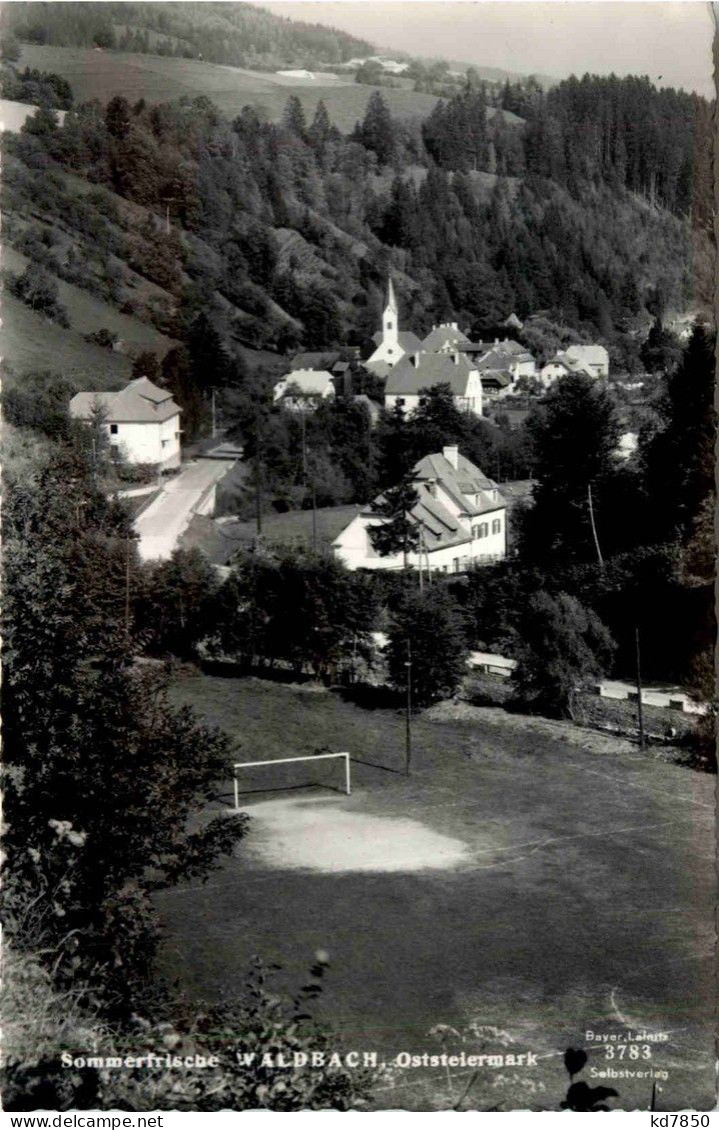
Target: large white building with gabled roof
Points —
{"points": [[409, 382], [460, 512], [142, 421]]}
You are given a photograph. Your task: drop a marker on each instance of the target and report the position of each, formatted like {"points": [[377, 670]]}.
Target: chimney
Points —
{"points": [[451, 454]]}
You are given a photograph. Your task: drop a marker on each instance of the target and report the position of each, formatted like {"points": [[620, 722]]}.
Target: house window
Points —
{"points": [[389, 325], [455, 564], [481, 530], [389, 350], [496, 525], [113, 429], [400, 401]]}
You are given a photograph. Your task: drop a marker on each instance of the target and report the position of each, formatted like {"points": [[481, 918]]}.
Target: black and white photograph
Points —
{"points": [[358, 558]]}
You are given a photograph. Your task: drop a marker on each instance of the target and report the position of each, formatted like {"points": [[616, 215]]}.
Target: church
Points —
{"points": [[411, 367]]}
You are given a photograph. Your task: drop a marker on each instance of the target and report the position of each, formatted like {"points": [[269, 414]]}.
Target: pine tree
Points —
{"points": [[321, 129], [294, 119], [575, 435], [399, 533], [377, 129]]}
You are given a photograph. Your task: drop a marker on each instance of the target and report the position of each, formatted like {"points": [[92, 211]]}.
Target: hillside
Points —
{"points": [[31, 343], [239, 34], [102, 74], [244, 239]]}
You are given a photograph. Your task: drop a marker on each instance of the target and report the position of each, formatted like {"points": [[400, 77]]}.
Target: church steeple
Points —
{"points": [[390, 317]]}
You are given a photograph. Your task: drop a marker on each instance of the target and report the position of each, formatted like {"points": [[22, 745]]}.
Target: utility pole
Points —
{"points": [[214, 413], [258, 480], [421, 567], [314, 517], [594, 528], [408, 712], [127, 585], [640, 712]]}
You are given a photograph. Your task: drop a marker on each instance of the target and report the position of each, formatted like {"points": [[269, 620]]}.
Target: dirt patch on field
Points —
{"points": [[322, 835]]}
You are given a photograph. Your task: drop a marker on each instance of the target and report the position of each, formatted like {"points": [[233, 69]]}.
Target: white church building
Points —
{"points": [[391, 343]]}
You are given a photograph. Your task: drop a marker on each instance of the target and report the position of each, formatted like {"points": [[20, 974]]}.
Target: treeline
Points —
{"points": [[461, 247], [339, 454], [623, 132], [242, 35], [38, 88]]}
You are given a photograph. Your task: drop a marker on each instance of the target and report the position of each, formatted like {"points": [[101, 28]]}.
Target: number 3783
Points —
{"points": [[627, 1051]]}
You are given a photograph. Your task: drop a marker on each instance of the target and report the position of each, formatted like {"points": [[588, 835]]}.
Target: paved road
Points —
{"points": [[161, 525]]}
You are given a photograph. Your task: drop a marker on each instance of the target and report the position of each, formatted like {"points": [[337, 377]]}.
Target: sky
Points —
{"points": [[669, 41]]}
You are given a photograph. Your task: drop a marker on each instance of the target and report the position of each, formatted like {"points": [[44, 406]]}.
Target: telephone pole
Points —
{"points": [[127, 585], [594, 527], [258, 479], [408, 712], [640, 711]]}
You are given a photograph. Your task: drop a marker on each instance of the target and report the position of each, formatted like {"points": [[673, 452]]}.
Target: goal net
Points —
{"points": [[323, 770]]}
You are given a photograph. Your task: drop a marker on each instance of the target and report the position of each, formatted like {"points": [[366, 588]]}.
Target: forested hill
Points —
{"points": [[241, 35], [281, 235]]}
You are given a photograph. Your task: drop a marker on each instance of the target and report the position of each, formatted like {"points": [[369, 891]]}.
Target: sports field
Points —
{"points": [[525, 884]]}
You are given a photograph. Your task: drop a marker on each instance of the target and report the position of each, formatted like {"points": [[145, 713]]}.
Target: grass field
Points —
{"points": [[220, 540], [101, 74], [29, 342], [88, 313], [571, 888]]}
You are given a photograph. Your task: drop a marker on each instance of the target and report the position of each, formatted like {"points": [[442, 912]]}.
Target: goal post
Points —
{"points": [[238, 765]]}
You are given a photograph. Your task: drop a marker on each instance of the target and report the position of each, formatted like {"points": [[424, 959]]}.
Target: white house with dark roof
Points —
{"points": [[391, 343], [461, 514], [409, 382], [142, 421]]}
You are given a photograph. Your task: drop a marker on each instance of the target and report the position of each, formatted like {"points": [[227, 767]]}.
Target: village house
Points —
{"points": [[142, 422], [501, 365], [304, 389], [409, 382], [391, 343], [444, 338], [461, 515], [593, 360]]}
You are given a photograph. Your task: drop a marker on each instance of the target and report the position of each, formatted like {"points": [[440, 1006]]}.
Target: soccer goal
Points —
{"points": [[272, 778]]}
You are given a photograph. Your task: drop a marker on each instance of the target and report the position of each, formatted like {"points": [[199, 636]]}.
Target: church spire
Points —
{"points": [[389, 322], [391, 300]]}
